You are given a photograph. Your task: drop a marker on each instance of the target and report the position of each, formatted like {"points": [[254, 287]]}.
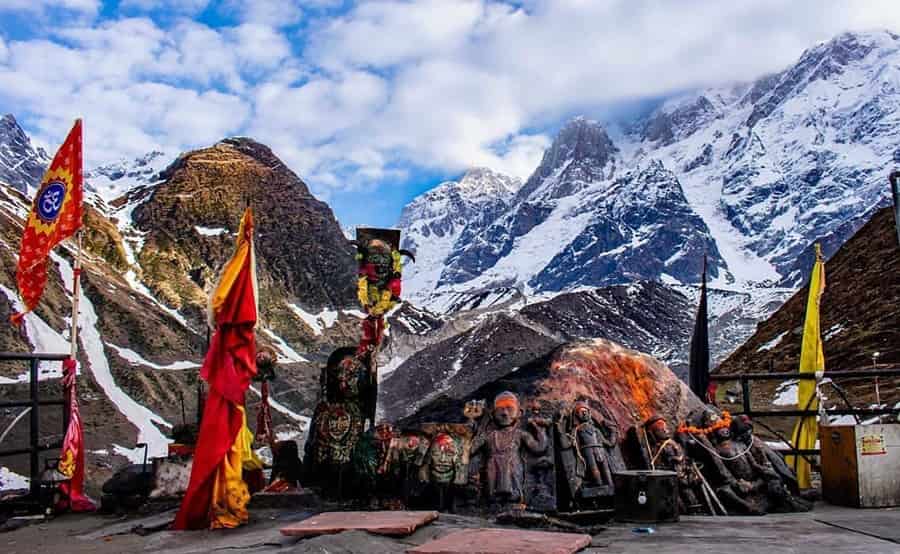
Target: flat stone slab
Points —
{"points": [[503, 541], [380, 523]]}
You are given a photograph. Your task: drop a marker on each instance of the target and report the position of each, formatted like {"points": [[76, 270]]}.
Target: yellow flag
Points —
{"points": [[812, 359]]}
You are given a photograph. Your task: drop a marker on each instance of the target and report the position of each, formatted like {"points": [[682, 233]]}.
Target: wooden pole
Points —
{"points": [[76, 288]]}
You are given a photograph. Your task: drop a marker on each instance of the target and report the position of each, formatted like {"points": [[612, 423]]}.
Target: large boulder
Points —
{"points": [[623, 385]]}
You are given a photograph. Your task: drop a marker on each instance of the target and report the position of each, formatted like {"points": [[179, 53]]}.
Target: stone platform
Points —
{"points": [[399, 524], [503, 541], [826, 529]]}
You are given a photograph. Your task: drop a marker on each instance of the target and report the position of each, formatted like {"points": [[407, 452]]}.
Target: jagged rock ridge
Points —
{"points": [[21, 164]]}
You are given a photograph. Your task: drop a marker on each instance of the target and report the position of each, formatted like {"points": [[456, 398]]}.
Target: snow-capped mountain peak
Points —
{"points": [[483, 182], [113, 180], [581, 152], [21, 164], [434, 221]]}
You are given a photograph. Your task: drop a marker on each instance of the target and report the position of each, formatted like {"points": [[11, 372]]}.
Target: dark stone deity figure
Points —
{"points": [[337, 422], [447, 460], [780, 480], [504, 445], [406, 454], [583, 439], [444, 470], [667, 453], [746, 483], [744, 479], [379, 277]]}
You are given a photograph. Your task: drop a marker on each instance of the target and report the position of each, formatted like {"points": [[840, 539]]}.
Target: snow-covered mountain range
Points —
{"points": [[752, 174]]}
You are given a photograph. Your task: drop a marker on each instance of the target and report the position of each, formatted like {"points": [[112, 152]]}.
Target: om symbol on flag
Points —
{"points": [[50, 201]]}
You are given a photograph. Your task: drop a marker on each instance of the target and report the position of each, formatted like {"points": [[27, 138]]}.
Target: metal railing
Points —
{"points": [[34, 403], [747, 409]]}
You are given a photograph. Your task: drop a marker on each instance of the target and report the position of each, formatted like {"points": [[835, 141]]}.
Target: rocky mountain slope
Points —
{"points": [[752, 174], [859, 314]]}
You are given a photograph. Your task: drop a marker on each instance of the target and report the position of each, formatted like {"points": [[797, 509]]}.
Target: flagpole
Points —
{"points": [[76, 287]]}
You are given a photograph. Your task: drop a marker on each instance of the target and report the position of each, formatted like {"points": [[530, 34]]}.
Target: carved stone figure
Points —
{"points": [[286, 467], [378, 290], [446, 461], [711, 448], [770, 468], [584, 438], [338, 428], [503, 445], [667, 453], [398, 471]]}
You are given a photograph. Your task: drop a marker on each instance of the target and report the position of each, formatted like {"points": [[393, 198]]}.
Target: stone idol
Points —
{"points": [[337, 422], [511, 459], [583, 440], [445, 466]]}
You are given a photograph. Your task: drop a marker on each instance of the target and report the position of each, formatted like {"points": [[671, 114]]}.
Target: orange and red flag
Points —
{"points": [[217, 495], [55, 215]]}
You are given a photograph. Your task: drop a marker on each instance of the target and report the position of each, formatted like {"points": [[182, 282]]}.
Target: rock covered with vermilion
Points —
{"points": [[622, 385]]}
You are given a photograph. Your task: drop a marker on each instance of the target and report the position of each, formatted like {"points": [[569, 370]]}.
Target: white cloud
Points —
{"points": [[276, 13], [356, 98], [36, 6], [186, 7], [153, 93], [258, 46], [389, 33]]}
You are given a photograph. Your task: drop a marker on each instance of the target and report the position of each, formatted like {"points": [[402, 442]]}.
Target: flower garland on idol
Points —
{"points": [[721, 423], [378, 284]]}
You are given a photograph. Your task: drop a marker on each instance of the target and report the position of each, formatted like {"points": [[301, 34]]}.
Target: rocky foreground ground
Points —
{"points": [[826, 529]]}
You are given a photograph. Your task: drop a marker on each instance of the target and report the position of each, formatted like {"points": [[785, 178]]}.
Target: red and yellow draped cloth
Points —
{"points": [[56, 214], [71, 462], [217, 495]]}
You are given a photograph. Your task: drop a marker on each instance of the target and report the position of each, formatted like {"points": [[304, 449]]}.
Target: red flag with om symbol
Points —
{"points": [[55, 215]]}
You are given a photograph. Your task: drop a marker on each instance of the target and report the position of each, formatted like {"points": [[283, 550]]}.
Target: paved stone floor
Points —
{"points": [[827, 529]]}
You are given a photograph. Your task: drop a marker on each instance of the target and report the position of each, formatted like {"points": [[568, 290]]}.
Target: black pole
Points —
{"points": [[895, 190], [35, 485], [699, 358], [745, 395]]}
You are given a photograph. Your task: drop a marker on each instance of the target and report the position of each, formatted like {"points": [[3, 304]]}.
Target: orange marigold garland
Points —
{"points": [[724, 421]]}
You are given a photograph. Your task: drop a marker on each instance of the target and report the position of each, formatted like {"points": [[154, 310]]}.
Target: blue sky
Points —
{"points": [[374, 102]]}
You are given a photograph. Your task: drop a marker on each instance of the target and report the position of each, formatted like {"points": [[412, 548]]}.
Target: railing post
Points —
{"points": [[745, 394], [35, 429]]}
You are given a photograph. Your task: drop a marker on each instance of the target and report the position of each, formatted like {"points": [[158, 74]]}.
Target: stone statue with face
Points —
{"points": [[503, 447], [444, 459], [591, 446], [668, 454]]}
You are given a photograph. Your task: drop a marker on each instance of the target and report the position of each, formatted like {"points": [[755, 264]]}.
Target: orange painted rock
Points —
{"points": [[623, 386], [627, 386]]}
